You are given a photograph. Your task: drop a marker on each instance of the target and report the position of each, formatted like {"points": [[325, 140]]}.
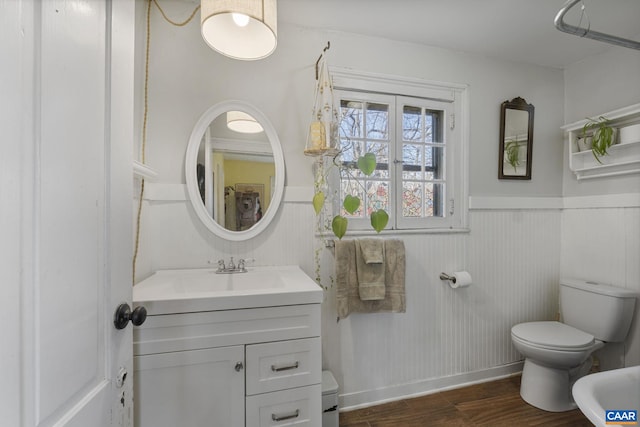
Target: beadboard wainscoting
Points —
{"points": [[601, 242], [449, 337], [516, 250]]}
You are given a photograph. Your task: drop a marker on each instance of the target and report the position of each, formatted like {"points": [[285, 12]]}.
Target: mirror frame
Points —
{"points": [[190, 170], [515, 104]]}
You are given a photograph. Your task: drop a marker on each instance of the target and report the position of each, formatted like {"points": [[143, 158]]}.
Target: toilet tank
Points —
{"points": [[604, 311]]}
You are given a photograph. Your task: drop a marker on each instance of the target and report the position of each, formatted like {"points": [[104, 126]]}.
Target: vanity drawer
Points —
{"points": [[192, 331], [296, 406], [283, 364]]}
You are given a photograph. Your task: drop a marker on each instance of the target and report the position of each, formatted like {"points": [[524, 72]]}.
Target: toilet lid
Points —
{"points": [[552, 335]]}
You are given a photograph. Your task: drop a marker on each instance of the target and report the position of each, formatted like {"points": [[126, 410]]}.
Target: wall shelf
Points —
{"points": [[622, 159]]}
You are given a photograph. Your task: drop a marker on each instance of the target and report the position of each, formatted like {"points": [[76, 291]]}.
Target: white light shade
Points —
{"points": [[255, 40], [242, 122]]}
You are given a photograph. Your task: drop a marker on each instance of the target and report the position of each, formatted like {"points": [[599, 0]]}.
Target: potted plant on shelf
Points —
{"points": [[602, 135]]}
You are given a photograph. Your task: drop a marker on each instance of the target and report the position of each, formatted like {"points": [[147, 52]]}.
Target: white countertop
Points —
{"points": [[193, 290]]}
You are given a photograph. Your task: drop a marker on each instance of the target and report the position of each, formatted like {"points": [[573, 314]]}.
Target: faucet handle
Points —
{"points": [[242, 263], [221, 265]]}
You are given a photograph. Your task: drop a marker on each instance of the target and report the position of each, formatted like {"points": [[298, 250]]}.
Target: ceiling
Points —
{"points": [[513, 30]]}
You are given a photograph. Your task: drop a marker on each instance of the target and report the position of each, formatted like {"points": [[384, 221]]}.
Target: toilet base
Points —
{"points": [[547, 388]]}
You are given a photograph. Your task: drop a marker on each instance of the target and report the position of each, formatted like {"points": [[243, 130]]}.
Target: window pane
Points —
{"points": [[412, 196], [365, 129], [381, 151], [433, 126], [352, 119], [353, 188], [422, 162], [377, 196], [412, 161], [377, 120], [434, 162], [351, 150], [434, 199], [412, 123]]}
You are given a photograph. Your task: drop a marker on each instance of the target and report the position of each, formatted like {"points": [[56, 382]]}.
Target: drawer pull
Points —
{"points": [[275, 368], [292, 415]]}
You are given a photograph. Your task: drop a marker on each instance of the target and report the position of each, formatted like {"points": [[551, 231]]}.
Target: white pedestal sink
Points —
{"points": [[618, 389]]}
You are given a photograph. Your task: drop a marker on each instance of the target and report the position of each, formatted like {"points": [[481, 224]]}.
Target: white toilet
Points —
{"points": [[557, 354]]}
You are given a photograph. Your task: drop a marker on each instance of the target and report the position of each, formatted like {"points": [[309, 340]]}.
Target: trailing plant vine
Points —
{"points": [[351, 203], [603, 136]]}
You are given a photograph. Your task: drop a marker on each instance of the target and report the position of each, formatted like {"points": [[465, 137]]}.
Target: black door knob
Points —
{"points": [[124, 314]]}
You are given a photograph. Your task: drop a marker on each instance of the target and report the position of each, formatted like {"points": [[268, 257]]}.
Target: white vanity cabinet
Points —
{"points": [[242, 366]]}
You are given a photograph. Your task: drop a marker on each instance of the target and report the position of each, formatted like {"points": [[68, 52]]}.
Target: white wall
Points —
{"points": [[594, 86], [601, 83], [187, 77], [601, 225], [445, 338]]}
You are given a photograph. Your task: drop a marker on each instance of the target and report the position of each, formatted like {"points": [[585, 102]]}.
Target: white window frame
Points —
{"points": [[448, 97]]}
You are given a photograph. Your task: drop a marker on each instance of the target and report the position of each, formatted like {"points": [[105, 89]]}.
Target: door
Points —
{"points": [[66, 112]]}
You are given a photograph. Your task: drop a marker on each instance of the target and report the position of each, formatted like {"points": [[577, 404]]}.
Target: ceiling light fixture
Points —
{"points": [[240, 29], [242, 122]]}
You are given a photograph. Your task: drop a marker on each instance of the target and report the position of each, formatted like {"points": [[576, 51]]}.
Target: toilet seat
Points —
{"points": [[553, 336]]}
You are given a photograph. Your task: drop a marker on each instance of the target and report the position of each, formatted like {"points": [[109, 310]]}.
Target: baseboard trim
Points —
{"points": [[366, 398]]}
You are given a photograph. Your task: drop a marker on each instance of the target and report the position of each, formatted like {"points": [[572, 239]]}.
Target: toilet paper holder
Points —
{"points": [[458, 279], [445, 276]]}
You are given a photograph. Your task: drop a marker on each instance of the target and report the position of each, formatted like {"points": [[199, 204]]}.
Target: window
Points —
{"points": [[419, 148]]}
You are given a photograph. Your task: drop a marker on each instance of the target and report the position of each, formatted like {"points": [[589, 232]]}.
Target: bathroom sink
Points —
{"points": [[618, 389], [189, 290]]}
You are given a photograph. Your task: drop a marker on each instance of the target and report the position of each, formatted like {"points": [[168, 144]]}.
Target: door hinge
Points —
{"points": [[451, 206], [453, 121]]}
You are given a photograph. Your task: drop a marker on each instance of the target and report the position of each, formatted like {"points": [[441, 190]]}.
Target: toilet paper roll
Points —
{"points": [[461, 279]]}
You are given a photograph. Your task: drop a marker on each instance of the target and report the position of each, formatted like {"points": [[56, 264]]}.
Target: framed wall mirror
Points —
{"points": [[516, 139], [234, 170]]}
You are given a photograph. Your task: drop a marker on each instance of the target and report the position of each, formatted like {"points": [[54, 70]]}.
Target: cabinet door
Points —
{"points": [[195, 388]]}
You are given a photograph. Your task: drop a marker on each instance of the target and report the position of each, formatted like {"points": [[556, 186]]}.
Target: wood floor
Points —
{"points": [[496, 403]]}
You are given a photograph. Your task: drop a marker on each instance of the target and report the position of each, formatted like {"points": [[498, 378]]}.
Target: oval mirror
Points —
{"points": [[234, 170]]}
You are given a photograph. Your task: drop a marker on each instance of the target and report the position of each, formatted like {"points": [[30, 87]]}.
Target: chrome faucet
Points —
{"points": [[231, 267]]}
